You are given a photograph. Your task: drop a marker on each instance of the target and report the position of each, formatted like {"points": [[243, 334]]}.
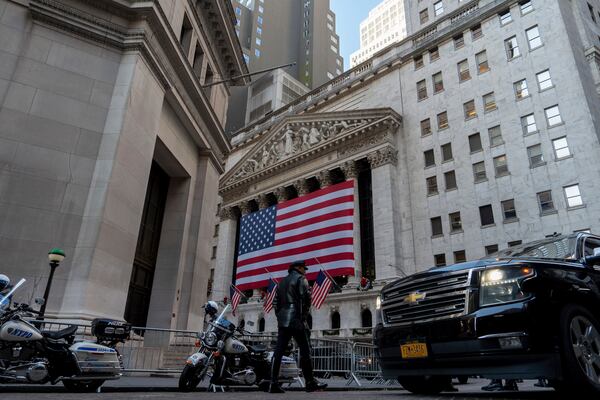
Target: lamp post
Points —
{"points": [[55, 256]]}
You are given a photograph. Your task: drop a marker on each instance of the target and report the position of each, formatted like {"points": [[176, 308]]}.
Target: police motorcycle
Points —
{"points": [[228, 360], [29, 355]]}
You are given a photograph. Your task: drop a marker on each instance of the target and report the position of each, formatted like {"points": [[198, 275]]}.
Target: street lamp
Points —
{"points": [[55, 256]]}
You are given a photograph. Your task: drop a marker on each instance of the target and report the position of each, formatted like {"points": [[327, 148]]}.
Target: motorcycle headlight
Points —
{"points": [[503, 285], [210, 339]]}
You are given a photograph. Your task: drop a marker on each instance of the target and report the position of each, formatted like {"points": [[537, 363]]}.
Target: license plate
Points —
{"points": [[414, 350]]}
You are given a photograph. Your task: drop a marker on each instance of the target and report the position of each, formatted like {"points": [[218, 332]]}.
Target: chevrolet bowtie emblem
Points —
{"points": [[414, 297]]}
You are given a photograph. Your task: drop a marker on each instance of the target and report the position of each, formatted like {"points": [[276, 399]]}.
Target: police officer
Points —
{"points": [[4, 289], [292, 305]]}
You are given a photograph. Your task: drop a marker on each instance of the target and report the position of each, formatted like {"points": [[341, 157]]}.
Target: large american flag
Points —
{"points": [[320, 290], [317, 228], [271, 292]]}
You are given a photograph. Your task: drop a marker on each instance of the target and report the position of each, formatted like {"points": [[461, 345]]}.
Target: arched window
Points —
{"points": [[261, 325], [367, 318], [335, 320], [309, 321]]}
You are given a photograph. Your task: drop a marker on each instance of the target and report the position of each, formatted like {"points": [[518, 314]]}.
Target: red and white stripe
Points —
{"points": [[319, 293], [317, 228]]}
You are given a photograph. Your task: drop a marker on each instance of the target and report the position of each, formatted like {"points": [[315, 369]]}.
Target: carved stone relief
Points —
{"points": [[245, 207], [386, 155], [263, 202], [349, 169], [227, 213], [301, 187], [324, 178], [281, 194]]}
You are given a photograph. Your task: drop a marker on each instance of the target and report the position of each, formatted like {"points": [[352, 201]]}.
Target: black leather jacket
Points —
{"points": [[292, 301]]}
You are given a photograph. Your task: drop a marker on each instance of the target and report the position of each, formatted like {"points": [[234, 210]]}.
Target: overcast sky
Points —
{"points": [[348, 15]]}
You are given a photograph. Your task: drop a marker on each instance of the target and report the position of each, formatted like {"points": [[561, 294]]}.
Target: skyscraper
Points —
{"points": [[386, 24], [276, 32]]}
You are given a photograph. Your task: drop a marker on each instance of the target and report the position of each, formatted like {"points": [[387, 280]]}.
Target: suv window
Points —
{"points": [[589, 245]]}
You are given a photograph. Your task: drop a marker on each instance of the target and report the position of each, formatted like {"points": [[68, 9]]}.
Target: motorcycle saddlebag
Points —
{"points": [[97, 360], [110, 329]]}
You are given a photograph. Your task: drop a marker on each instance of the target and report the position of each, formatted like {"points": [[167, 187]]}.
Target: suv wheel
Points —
{"points": [[426, 384], [580, 342]]}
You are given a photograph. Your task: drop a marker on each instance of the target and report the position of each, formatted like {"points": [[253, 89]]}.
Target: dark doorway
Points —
{"points": [[335, 320], [367, 318], [144, 264], [261, 325]]}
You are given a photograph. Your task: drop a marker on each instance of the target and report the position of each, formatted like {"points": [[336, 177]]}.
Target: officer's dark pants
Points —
{"points": [[283, 338]]}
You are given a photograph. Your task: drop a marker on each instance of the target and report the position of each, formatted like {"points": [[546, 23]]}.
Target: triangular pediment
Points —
{"points": [[289, 141]]}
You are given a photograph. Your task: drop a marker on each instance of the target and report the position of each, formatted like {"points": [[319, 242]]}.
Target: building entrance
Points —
{"points": [[144, 264]]}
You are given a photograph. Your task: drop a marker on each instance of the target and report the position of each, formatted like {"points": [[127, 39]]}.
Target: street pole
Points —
{"points": [[55, 256]]}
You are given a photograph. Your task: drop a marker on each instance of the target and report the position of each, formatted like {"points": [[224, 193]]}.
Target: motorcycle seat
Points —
{"points": [[257, 348], [62, 334]]}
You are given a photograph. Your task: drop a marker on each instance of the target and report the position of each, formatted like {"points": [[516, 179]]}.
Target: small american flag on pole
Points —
{"points": [[317, 225], [320, 289], [236, 295], [271, 291]]}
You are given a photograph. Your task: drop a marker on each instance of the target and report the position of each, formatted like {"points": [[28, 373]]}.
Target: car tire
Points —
{"points": [[580, 351], [426, 385]]}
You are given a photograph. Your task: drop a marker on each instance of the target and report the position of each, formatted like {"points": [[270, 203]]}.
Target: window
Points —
{"points": [[486, 215], [489, 102], [521, 90], [476, 32], [573, 196], [216, 233], [591, 12], [429, 158], [434, 54], [561, 148], [512, 48], [214, 253], [418, 62], [424, 16], [491, 249], [258, 41], [455, 222], [508, 210], [442, 120], [536, 158], [447, 152], [515, 243], [258, 30], [432, 187], [553, 116], [545, 202], [421, 90], [533, 36], [425, 127], [479, 172], [459, 41], [463, 71], [526, 7], [544, 80], [500, 165], [505, 17], [438, 82], [482, 62], [440, 260], [259, 19], [450, 179], [436, 226], [459, 256], [257, 52], [438, 8], [475, 143], [470, 111], [495, 136], [238, 11], [528, 124]]}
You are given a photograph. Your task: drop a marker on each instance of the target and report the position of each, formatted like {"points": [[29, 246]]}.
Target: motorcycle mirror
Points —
{"points": [[39, 301]]}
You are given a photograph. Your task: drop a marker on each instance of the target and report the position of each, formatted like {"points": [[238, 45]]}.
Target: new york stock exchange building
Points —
{"points": [[445, 158]]}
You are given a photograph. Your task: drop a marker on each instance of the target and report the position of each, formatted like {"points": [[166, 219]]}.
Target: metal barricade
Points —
{"points": [[332, 358], [365, 363]]}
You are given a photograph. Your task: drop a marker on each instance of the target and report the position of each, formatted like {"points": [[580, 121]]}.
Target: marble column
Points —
{"points": [[385, 218], [263, 201], [351, 173], [301, 187], [225, 253], [324, 178]]}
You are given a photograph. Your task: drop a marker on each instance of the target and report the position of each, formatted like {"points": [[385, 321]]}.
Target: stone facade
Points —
{"points": [[91, 94], [436, 137]]}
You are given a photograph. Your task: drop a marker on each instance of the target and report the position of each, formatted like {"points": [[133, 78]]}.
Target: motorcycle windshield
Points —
{"points": [[5, 299]]}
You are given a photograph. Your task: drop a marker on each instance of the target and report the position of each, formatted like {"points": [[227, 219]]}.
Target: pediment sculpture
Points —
{"points": [[293, 139]]}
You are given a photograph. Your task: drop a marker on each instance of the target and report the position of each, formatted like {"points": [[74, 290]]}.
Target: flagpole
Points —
{"points": [[337, 287]]}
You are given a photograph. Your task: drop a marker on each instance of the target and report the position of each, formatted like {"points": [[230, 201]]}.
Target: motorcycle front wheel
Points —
{"points": [[89, 386], [189, 378]]}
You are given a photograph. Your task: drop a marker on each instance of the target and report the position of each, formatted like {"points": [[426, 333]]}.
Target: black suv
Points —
{"points": [[531, 311]]}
